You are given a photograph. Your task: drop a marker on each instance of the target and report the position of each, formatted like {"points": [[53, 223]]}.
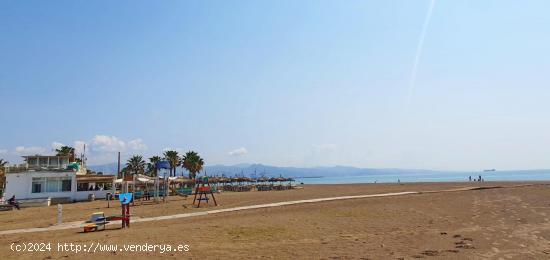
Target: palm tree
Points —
{"points": [[152, 165], [174, 160], [3, 163], [123, 172], [135, 164], [67, 151], [64, 151], [193, 163]]}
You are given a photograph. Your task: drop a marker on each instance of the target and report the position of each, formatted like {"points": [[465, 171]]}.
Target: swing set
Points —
{"points": [[202, 190]]}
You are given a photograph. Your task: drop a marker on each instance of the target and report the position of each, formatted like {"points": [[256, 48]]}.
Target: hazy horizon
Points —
{"points": [[437, 85]]}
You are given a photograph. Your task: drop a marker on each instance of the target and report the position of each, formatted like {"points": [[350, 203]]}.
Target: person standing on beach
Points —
{"points": [[470, 178]]}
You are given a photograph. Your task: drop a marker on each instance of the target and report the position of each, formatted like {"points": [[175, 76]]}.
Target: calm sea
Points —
{"points": [[534, 175]]}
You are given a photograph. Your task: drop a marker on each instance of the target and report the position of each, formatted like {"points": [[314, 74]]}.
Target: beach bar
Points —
{"points": [[45, 180]]}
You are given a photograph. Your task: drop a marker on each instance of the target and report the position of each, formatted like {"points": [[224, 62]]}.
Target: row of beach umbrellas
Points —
{"points": [[147, 179], [247, 179]]}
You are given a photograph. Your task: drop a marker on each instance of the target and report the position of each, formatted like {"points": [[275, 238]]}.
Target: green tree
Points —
{"points": [[3, 164], [123, 172], [193, 163], [174, 159], [135, 164], [152, 165], [67, 151]]}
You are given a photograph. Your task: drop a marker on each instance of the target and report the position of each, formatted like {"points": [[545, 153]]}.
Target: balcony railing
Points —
{"points": [[28, 168]]}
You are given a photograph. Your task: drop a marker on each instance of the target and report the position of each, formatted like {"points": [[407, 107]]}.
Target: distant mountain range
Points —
{"points": [[257, 170]]}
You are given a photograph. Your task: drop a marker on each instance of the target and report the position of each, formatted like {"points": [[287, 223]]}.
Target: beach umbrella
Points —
{"points": [[223, 179], [263, 179], [180, 179]]}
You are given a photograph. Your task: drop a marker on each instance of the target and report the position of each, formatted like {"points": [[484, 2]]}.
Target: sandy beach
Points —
{"points": [[505, 221]]}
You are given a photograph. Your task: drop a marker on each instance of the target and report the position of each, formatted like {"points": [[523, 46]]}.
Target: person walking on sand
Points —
{"points": [[470, 178]]}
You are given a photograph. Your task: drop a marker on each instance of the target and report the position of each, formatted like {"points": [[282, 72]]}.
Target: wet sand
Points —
{"points": [[507, 223]]}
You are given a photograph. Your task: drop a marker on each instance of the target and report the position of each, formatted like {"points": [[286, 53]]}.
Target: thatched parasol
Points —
{"points": [[262, 179], [223, 179]]}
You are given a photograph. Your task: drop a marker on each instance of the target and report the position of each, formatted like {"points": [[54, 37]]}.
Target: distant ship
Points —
{"points": [[490, 170]]}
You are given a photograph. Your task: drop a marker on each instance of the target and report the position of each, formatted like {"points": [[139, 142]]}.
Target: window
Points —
{"points": [[51, 184], [66, 185], [43, 161], [37, 184], [36, 187], [82, 187]]}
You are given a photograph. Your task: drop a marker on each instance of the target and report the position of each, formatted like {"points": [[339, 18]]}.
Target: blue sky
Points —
{"points": [[289, 83]]}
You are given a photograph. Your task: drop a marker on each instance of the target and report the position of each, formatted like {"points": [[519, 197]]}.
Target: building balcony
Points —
{"points": [[29, 168]]}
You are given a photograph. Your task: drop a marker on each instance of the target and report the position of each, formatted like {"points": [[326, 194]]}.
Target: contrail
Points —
{"points": [[419, 50]]}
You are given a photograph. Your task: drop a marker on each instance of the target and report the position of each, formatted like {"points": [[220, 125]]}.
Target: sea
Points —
{"points": [[432, 176]]}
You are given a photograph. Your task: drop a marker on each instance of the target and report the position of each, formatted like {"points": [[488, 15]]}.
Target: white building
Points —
{"points": [[54, 177]]}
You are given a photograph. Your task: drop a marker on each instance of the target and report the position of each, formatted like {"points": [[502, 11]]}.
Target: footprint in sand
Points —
{"points": [[430, 252], [496, 250]]}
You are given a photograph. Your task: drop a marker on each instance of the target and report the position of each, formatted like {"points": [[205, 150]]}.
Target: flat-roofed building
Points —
{"points": [[42, 177], [46, 161]]}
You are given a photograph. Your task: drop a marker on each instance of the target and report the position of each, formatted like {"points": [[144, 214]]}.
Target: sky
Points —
{"points": [[378, 84]]}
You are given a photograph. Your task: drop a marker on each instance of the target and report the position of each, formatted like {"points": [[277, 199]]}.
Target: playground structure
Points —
{"points": [[152, 189], [202, 190], [182, 192], [146, 187], [99, 221]]}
